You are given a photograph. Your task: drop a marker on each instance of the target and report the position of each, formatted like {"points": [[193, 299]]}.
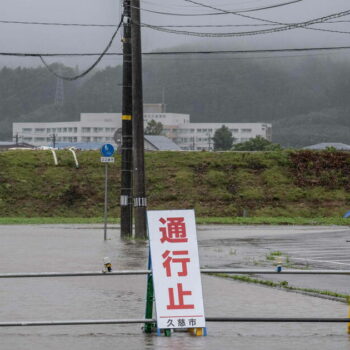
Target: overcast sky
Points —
{"points": [[46, 39]]}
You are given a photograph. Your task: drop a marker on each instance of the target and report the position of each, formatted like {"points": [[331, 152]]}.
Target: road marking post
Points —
{"points": [[107, 152]]}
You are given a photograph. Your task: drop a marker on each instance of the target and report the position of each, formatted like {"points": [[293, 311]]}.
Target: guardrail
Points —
{"points": [[152, 321], [145, 272], [147, 321]]}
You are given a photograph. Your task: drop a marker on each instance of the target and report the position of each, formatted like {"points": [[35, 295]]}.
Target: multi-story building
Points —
{"points": [[100, 127]]}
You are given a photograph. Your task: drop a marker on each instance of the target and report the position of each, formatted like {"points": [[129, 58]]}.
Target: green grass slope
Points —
{"points": [[272, 184]]}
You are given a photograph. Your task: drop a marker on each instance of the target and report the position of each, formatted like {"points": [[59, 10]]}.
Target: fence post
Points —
{"points": [[149, 297]]}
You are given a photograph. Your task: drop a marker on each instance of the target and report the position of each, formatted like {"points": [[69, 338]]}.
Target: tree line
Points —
{"points": [[305, 99]]}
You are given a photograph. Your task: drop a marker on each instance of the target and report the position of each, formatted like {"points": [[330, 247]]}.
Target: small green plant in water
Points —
{"points": [[272, 255]]}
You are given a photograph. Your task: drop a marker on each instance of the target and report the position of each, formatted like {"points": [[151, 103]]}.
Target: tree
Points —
{"points": [[153, 128], [258, 143], [223, 139]]}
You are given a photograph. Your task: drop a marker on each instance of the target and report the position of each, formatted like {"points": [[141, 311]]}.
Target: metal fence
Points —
{"points": [[149, 321]]}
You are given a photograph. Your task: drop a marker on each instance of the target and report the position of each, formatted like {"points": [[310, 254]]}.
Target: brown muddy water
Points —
{"points": [[81, 248]]}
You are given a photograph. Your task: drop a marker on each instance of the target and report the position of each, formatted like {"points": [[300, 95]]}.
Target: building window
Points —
{"points": [[27, 139], [86, 130], [97, 130], [39, 130], [75, 130], [26, 130], [246, 130]]}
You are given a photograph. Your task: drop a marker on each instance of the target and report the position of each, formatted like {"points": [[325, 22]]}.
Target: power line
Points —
{"points": [[219, 13], [266, 20], [58, 24], [88, 70], [284, 27], [234, 25], [169, 53], [165, 26]]}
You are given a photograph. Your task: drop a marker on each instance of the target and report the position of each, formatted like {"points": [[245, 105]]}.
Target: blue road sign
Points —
{"points": [[107, 150]]}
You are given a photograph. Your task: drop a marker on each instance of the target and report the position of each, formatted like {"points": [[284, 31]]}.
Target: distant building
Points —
{"points": [[325, 145], [100, 127]]}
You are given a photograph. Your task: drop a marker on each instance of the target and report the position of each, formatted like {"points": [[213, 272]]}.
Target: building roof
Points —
{"points": [[325, 145], [162, 143], [11, 144]]}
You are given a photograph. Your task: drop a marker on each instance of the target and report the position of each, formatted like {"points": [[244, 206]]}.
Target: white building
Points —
{"points": [[100, 127]]}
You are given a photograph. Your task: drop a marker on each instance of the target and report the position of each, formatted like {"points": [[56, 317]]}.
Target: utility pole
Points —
{"points": [[53, 137], [140, 201], [126, 205], [16, 138], [209, 140]]}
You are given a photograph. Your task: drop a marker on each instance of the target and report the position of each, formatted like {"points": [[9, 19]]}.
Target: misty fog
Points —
{"points": [[279, 87]]}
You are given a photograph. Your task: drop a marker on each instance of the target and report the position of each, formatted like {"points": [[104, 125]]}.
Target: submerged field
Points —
{"points": [[230, 184]]}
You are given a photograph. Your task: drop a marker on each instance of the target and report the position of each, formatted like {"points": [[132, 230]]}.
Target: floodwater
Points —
{"points": [[81, 248]]}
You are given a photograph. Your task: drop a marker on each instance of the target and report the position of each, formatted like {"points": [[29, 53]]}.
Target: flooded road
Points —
{"points": [[81, 248]]}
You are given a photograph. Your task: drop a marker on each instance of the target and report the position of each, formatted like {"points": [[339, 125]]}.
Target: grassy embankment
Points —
{"points": [[276, 187]]}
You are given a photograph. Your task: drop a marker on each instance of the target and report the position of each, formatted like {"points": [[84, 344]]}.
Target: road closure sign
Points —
{"points": [[176, 269]]}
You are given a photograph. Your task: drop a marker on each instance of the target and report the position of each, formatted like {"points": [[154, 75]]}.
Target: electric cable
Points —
{"points": [[284, 27], [168, 53], [266, 20], [88, 70], [216, 13], [58, 24]]}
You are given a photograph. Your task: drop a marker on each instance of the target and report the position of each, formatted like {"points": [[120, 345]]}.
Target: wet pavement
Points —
{"points": [[81, 248], [301, 247]]}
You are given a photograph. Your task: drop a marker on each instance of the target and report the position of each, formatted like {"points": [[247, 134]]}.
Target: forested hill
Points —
{"points": [[305, 98]]}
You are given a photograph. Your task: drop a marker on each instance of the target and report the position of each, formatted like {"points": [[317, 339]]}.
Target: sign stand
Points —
{"points": [[149, 327], [177, 290], [107, 152], [149, 298]]}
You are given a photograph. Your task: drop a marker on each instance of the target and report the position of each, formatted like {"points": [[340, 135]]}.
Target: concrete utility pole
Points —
{"points": [[126, 205], [140, 201]]}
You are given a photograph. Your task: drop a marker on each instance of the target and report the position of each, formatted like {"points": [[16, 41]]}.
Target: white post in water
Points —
{"points": [[107, 152]]}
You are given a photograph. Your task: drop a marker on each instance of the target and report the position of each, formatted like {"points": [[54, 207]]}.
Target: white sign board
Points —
{"points": [[176, 269], [107, 159]]}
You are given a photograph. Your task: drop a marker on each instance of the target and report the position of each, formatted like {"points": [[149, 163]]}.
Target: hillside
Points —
{"points": [[274, 184], [305, 98]]}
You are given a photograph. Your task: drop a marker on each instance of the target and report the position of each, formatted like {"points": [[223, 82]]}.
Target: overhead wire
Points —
{"points": [[58, 24], [160, 26], [266, 20], [88, 70], [216, 13], [283, 27], [168, 53]]}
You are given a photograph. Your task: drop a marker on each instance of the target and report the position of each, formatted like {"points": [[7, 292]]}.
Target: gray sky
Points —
{"points": [[26, 38]]}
